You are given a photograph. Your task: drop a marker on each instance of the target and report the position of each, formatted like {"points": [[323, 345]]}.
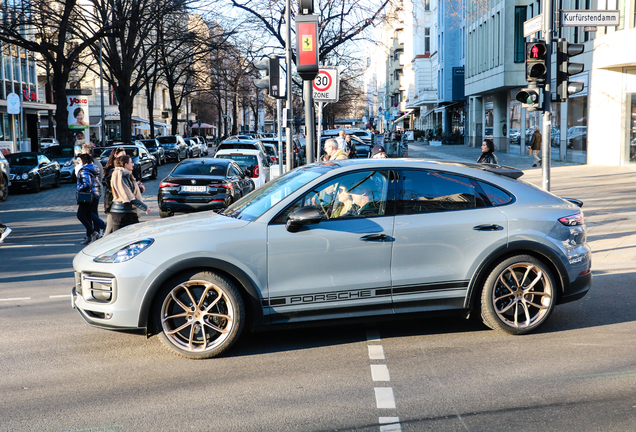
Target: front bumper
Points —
{"points": [[22, 184]]}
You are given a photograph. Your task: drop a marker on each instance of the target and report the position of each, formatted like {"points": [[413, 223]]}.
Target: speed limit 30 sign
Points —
{"points": [[326, 85]]}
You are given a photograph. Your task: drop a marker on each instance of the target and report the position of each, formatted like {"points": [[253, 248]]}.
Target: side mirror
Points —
{"points": [[301, 217]]}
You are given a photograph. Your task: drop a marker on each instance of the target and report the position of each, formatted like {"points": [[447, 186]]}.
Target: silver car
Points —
{"points": [[341, 239]]}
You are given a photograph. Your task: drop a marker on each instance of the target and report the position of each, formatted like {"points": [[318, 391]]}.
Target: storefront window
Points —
{"points": [[577, 129], [631, 109], [8, 136]]}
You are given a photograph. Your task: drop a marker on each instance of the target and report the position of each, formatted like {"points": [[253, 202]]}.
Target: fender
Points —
{"points": [[543, 252], [253, 300]]}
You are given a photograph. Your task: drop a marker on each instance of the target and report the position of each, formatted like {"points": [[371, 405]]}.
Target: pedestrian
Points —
{"points": [[378, 152], [340, 139], [535, 146], [488, 153], [108, 193], [126, 194], [98, 224], [4, 230], [87, 182], [332, 150], [350, 147]]}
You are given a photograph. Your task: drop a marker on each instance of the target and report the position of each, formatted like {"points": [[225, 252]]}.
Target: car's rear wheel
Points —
{"points": [[153, 176], [198, 315], [164, 214], [518, 296], [5, 189]]}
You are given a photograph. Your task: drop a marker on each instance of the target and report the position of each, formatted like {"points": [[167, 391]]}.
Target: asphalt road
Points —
{"points": [[440, 374]]}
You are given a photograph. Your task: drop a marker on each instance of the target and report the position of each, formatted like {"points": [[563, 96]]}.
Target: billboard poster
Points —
{"points": [[78, 117]]}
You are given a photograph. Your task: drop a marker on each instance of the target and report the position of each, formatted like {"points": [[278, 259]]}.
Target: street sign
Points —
{"points": [[326, 85], [585, 18], [533, 25], [590, 29], [13, 103]]}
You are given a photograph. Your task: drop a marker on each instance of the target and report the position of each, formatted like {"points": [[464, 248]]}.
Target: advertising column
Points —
{"points": [[78, 118]]}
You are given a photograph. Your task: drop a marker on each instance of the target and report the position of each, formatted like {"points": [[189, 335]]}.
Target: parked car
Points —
{"points": [[155, 150], [363, 149], [194, 149], [577, 137], [32, 170], [271, 151], [426, 237], [299, 152], [5, 172], [515, 136], [203, 145], [206, 184], [48, 142], [254, 162], [66, 156], [174, 146], [144, 165]]}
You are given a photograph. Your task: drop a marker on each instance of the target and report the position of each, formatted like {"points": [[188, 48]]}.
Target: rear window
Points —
{"points": [[244, 161], [237, 146], [200, 169]]}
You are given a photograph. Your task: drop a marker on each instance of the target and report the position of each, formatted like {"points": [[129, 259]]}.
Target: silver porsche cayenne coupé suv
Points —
{"points": [[354, 238]]}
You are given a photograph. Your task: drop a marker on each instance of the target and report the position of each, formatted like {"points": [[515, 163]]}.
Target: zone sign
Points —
{"points": [[326, 85]]}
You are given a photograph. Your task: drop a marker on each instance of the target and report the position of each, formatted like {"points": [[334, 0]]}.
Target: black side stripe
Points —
{"points": [[412, 289]]}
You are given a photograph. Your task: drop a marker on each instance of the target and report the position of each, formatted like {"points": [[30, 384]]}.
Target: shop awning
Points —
{"points": [[399, 119], [203, 126]]}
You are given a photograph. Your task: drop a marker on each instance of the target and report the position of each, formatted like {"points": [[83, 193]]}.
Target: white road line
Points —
{"points": [[6, 246], [390, 424], [373, 335], [15, 299], [60, 296], [380, 373], [376, 352], [384, 397]]}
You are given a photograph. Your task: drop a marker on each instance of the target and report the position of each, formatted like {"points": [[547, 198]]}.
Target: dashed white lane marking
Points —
{"points": [[15, 299], [376, 352], [60, 296], [390, 424], [384, 397], [380, 373]]}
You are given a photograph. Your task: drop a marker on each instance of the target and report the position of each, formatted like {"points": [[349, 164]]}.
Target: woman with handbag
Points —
{"points": [[126, 194], [87, 194], [108, 193]]}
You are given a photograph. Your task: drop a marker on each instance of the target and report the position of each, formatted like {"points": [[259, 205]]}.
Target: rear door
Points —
{"points": [[444, 228]]}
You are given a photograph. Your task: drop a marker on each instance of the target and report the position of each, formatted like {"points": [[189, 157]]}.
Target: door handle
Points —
{"points": [[374, 237], [488, 227]]}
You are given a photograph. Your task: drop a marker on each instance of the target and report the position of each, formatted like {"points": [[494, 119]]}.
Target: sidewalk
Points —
{"points": [[608, 194]]}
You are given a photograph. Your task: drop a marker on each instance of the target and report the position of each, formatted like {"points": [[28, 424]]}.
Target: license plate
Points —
{"points": [[194, 188]]}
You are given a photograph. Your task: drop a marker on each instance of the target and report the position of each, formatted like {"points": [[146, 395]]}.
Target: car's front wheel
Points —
{"points": [[199, 315], [518, 296]]}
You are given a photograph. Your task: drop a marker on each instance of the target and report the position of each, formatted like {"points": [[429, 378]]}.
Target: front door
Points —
{"points": [[341, 265]]}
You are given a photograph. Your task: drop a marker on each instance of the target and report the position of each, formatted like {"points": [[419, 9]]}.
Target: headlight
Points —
{"points": [[125, 253], [68, 163], [25, 176]]}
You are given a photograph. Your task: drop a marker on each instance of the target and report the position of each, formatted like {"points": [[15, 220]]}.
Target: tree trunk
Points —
{"points": [[235, 106], [64, 135]]}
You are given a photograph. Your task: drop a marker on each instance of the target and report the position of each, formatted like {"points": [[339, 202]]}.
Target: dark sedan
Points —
{"points": [[194, 148], [155, 150], [202, 184], [144, 165], [31, 170]]}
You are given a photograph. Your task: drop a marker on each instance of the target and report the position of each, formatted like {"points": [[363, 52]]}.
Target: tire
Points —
{"points": [[58, 181], [153, 176], [37, 185], [506, 308], [163, 214], [191, 328]]}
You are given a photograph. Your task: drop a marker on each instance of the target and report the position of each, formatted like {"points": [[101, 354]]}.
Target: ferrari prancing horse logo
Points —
{"points": [[308, 44]]}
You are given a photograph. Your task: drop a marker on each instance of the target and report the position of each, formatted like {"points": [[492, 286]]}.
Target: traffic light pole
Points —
{"points": [[547, 115]]}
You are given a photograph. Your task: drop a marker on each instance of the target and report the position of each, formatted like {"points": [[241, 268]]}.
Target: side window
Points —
{"points": [[355, 195], [423, 191], [495, 195], [234, 172]]}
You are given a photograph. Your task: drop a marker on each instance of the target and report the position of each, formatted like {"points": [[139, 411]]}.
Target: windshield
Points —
{"points": [[132, 152], [58, 152], [167, 140], [253, 205], [149, 144], [203, 169], [17, 160]]}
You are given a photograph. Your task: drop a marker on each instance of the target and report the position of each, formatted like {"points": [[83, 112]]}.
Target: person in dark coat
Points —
{"points": [[87, 181], [535, 146], [488, 153]]}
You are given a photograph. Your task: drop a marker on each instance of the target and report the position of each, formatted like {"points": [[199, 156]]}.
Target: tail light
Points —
{"points": [[572, 220], [164, 185], [220, 186], [274, 159], [296, 150], [256, 171]]}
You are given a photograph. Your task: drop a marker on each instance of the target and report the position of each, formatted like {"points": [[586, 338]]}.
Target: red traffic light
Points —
{"points": [[536, 50]]}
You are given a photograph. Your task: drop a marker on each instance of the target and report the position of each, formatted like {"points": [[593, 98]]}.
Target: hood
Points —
{"points": [[173, 226], [21, 169]]}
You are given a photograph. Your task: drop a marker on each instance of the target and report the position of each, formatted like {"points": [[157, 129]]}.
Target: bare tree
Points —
{"points": [[59, 31]]}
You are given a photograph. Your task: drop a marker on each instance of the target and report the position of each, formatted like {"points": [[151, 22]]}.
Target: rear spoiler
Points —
{"points": [[505, 171], [574, 201]]}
